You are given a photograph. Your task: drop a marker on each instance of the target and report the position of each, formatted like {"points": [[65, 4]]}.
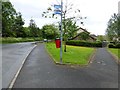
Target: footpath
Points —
{"points": [[39, 71]]}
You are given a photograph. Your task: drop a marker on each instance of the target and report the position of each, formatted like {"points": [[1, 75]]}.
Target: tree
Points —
{"points": [[100, 38], [8, 18], [34, 30], [84, 36], [18, 26], [12, 22], [113, 28], [27, 31], [67, 9], [72, 29], [50, 31]]}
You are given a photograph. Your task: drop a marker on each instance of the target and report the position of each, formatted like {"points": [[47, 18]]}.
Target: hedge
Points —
{"points": [[111, 45], [17, 40], [84, 43]]}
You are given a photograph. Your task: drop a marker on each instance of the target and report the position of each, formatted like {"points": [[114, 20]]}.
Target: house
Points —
{"points": [[83, 34]]}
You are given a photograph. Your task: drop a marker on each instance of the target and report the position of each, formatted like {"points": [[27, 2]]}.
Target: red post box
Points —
{"points": [[57, 41]]}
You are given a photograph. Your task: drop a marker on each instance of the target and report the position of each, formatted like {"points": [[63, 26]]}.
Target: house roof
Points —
{"points": [[91, 36]]}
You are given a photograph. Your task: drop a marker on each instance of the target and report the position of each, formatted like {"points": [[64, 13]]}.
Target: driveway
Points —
{"points": [[39, 71]]}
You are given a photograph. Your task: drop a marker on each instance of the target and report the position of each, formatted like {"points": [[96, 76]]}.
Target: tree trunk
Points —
{"points": [[65, 49]]}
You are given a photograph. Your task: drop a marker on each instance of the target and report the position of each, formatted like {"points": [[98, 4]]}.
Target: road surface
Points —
{"points": [[39, 71], [12, 58]]}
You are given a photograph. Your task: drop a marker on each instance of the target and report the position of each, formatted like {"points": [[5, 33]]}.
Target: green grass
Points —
{"points": [[74, 54], [17, 40], [115, 52]]}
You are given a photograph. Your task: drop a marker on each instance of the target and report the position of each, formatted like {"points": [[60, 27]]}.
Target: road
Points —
{"points": [[12, 58], [39, 71]]}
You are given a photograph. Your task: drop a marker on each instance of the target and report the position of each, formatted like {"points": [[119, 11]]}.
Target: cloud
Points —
{"points": [[98, 12]]}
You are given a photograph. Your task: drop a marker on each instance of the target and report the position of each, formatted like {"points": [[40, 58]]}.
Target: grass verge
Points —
{"points": [[74, 55], [115, 52]]}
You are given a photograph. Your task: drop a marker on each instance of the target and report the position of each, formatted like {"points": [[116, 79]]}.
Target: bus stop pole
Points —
{"points": [[61, 35]]}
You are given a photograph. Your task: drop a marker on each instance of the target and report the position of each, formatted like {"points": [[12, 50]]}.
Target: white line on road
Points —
{"points": [[16, 75]]}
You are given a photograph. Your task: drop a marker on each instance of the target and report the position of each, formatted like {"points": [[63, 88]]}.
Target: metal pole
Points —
{"points": [[61, 33]]}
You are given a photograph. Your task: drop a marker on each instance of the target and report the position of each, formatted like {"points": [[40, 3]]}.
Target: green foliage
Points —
{"points": [[113, 29], [84, 43], [12, 22], [111, 45], [50, 31], [100, 38], [18, 26], [115, 52], [84, 36], [71, 28], [8, 18], [17, 40], [34, 31], [118, 45]]}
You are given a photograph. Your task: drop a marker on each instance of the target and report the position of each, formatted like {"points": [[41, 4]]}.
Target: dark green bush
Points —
{"points": [[17, 40], [117, 45], [84, 43], [111, 45]]}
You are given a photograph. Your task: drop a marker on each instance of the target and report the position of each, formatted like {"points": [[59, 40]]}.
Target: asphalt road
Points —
{"points": [[39, 71], [0, 66], [12, 58]]}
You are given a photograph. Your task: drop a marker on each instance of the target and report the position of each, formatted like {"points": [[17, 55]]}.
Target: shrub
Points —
{"points": [[17, 40], [111, 45], [84, 43], [117, 45]]}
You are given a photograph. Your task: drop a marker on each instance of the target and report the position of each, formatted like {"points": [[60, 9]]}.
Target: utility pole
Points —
{"points": [[61, 34]]}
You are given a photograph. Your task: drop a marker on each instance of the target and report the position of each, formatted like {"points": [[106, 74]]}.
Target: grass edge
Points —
{"points": [[114, 56]]}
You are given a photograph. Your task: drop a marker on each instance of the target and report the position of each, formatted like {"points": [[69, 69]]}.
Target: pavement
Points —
{"points": [[39, 71], [13, 56]]}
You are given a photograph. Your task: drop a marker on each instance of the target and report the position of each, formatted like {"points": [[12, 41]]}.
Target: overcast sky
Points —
{"points": [[98, 12]]}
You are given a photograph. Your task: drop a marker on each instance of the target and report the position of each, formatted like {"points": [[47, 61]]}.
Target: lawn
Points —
{"points": [[115, 52], [74, 54]]}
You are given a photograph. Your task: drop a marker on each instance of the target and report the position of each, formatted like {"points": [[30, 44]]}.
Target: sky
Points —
{"points": [[98, 12]]}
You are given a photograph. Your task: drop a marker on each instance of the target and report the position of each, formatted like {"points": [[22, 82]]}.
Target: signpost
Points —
{"points": [[61, 33], [59, 10]]}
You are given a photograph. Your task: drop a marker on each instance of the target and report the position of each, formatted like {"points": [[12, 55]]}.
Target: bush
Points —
{"points": [[17, 40], [114, 46], [84, 43], [111, 45], [117, 45]]}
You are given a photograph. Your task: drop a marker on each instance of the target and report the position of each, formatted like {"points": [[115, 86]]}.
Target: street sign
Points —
{"points": [[57, 9]]}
